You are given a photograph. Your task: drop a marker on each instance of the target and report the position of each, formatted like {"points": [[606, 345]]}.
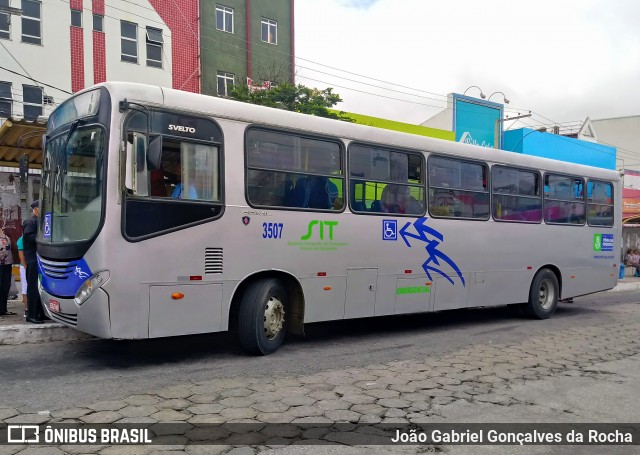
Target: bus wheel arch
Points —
{"points": [[544, 293], [253, 297]]}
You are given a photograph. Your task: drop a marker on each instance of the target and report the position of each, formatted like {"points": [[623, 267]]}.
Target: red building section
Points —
{"points": [[181, 16], [77, 52], [99, 46]]}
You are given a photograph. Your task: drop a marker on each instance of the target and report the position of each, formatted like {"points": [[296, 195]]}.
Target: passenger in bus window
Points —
{"points": [[396, 199], [179, 192], [158, 185]]}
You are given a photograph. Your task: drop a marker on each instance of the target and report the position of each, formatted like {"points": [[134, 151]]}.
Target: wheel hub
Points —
{"points": [[273, 318], [546, 294]]}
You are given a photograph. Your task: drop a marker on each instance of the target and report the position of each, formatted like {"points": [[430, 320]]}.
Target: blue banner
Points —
{"points": [[477, 121]]}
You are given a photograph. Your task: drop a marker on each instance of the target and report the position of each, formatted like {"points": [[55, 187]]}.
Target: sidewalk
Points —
{"points": [[15, 330], [628, 283]]}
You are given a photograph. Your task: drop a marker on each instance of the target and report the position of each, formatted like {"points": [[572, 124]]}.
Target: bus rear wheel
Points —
{"points": [[261, 318], [543, 295]]}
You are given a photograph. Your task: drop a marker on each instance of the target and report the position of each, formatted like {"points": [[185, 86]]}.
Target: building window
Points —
{"points": [[6, 100], [4, 21], [224, 18], [31, 22], [98, 23], [129, 42], [154, 47], [269, 31], [225, 83], [76, 18], [32, 102]]}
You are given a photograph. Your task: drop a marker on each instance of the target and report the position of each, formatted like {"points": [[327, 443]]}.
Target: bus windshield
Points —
{"points": [[72, 184]]}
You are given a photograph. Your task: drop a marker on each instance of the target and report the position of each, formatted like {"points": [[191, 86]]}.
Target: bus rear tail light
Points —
{"points": [[90, 286]]}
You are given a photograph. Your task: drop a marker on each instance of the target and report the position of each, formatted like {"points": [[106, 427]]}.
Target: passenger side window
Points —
{"points": [[172, 172], [385, 181], [599, 203], [516, 195], [458, 189], [184, 170], [564, 199], [292, 171]]}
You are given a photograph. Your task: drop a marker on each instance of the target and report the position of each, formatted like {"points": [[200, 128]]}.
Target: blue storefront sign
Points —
{"points": [[477, 121]]}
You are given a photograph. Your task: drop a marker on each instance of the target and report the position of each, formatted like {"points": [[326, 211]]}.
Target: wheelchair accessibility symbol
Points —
{"points": [[389, 230], [46, 227]]}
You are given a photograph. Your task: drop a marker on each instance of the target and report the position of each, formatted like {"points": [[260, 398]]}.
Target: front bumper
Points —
{"points": [[91, 317]]}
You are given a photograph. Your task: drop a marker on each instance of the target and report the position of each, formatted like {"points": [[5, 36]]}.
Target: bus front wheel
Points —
{"points": [[543, 295], [261, 318]]}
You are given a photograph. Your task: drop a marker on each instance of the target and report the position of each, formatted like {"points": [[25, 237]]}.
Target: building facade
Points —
{"points": [[244, 41], [622, 133], [50, 49], [53, 49]]}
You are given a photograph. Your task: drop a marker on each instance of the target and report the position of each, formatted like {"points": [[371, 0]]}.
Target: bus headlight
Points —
{"points": [[90, 286]]}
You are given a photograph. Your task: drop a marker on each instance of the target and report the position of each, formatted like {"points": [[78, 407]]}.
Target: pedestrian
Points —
{"points": [[23, 274], [633, 260], [6, 267], [35, 313]]}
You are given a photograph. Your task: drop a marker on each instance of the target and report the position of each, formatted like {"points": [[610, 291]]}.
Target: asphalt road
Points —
{"points": [[58, 375]]}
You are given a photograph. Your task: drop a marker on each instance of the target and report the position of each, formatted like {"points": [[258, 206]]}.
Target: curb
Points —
{"points": [[626, 286], [30, 333]]}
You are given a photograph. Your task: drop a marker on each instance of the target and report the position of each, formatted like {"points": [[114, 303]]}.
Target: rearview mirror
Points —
{"points": [[154, 154]]}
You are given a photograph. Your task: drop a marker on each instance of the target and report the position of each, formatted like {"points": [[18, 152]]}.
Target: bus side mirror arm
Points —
{"points": [[139, 165]]}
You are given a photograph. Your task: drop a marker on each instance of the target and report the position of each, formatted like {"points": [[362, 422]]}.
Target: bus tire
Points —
{"points": [[261, 317], [543, 295]]}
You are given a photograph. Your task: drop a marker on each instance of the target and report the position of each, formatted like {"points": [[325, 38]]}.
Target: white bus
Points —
{"points": [[168, 213]]}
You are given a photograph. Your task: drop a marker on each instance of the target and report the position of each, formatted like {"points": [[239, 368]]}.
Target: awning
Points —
{"points": [[18, 137]]}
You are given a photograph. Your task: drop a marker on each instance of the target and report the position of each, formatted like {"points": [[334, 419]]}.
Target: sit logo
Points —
{"points": [[329, 225]]}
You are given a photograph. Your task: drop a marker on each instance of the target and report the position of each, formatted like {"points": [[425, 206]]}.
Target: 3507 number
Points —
{"points": [[272, 230]]}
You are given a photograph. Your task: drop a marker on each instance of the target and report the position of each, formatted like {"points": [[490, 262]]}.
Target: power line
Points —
{"points": [[38, 82], [288, 55], [299, 66]]}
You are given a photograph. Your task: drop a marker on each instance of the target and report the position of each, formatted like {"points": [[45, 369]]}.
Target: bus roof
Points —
{"points": [[276, 118]]}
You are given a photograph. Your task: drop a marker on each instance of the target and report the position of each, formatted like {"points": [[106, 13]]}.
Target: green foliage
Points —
{"points": [[296, 98]]}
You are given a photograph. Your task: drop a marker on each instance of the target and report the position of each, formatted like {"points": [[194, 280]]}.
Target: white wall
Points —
{"points": [[144, 15], [444, 119], [624, 134], [48, 63]]}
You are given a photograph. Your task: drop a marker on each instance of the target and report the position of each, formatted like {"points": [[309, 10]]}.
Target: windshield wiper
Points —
{"points": [[72, 129]]}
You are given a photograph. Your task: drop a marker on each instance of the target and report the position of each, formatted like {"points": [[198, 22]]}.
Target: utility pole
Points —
{"points": [[497, 141]]}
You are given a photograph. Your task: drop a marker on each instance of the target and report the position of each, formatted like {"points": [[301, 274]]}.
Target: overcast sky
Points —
{"points": [[565, 60]]}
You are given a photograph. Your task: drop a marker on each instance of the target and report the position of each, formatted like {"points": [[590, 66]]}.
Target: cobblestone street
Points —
{"points": [[539, 379]]}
